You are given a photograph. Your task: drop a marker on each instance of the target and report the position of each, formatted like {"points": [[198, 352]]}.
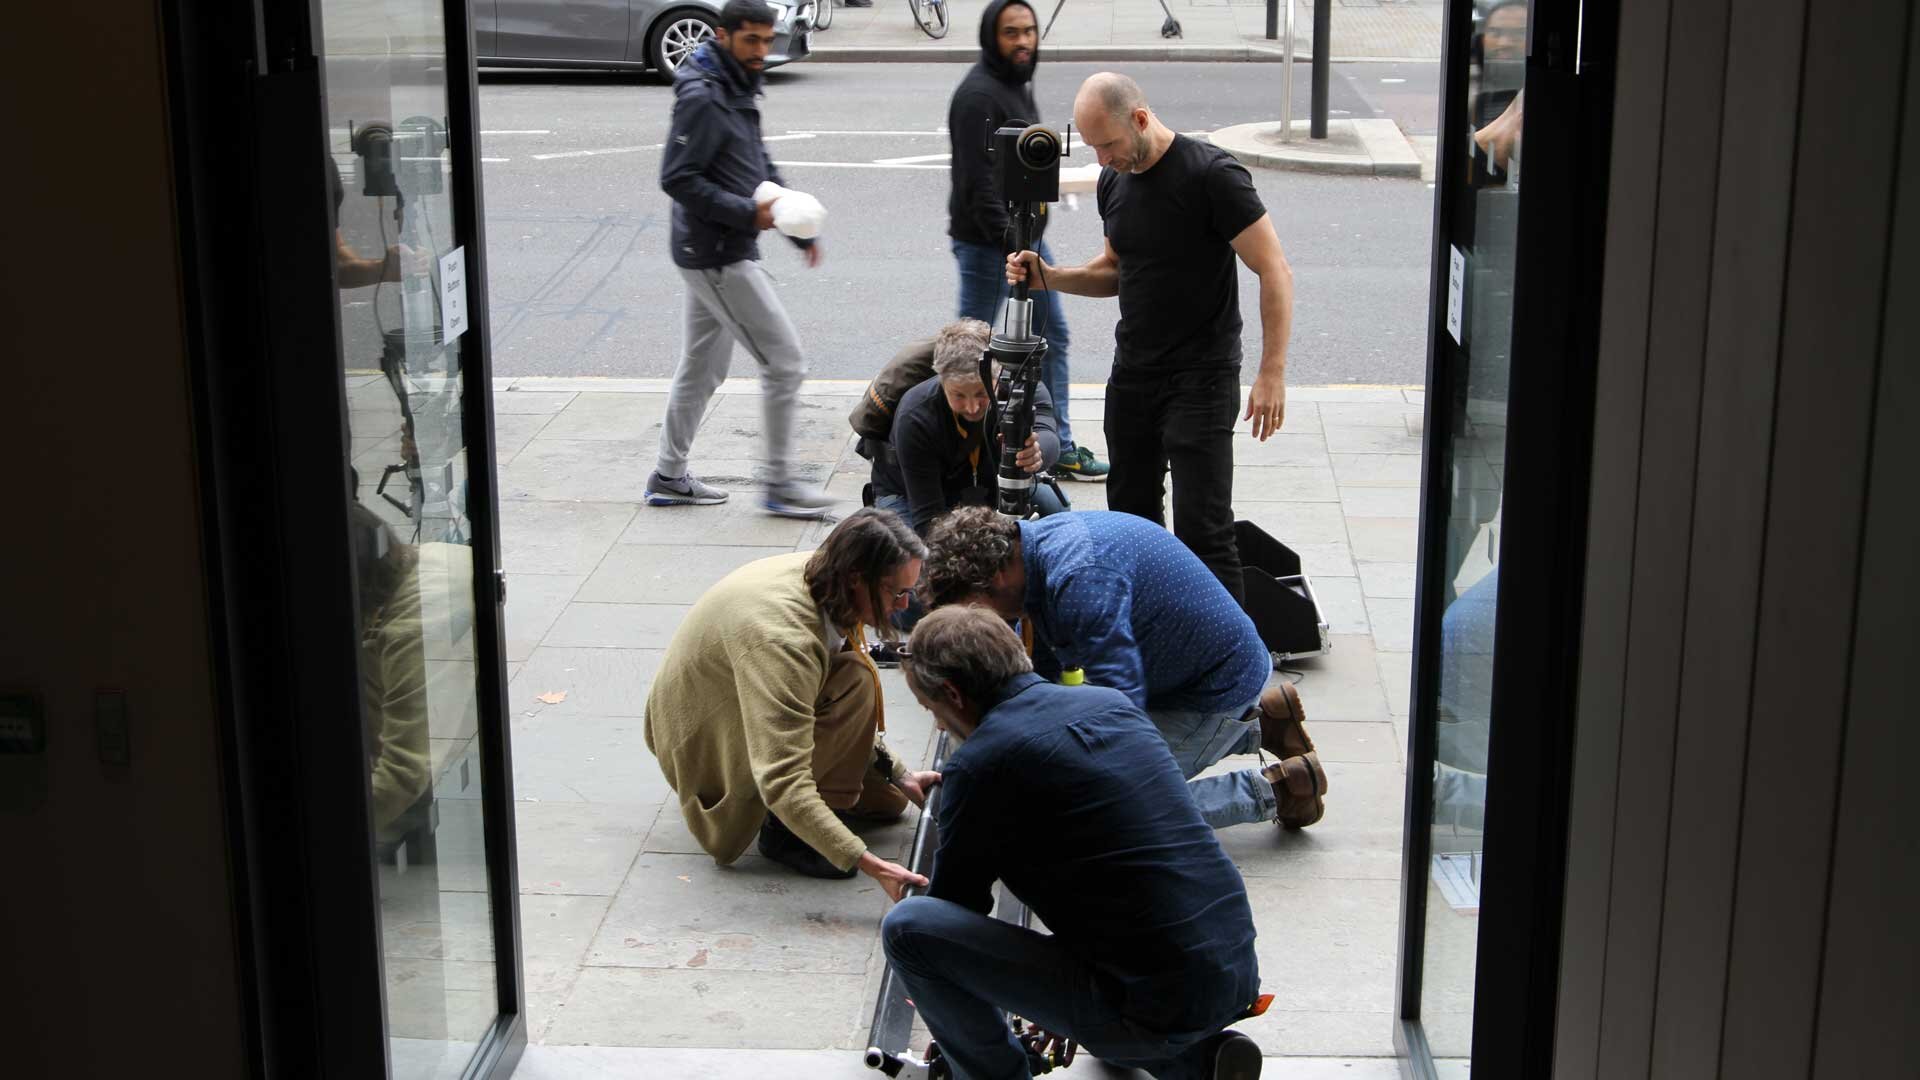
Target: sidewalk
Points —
{"points": [[1097, 30], [643, 958]]}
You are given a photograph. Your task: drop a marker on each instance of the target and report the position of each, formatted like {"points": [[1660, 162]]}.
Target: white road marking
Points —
{"points": [[597, 153], [854, 165], [916, 159], [812, 131], [1393, 80], [494, 160], [528, 131], [788, 135]]}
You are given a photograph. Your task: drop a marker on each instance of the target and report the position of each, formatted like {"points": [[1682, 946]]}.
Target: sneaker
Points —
{"points": [[1300, 784], [778, 843], [1080, 464], [1283, 731], [1233, 1056], [796, 500], [685, 491]]}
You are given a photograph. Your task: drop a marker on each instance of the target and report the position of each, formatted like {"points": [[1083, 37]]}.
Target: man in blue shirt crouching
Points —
{"points": [[1069, 796], [1125, 601]]}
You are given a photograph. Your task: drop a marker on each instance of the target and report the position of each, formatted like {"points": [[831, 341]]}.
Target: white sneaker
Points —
{"points": [[685, 491], [796, 500]]}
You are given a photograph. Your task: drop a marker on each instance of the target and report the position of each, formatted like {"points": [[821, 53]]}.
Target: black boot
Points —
{"points": [[1233, 1056], [778, 843]]}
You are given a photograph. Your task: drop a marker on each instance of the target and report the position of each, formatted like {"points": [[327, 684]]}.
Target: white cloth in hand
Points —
{"points": [[795, 213]]}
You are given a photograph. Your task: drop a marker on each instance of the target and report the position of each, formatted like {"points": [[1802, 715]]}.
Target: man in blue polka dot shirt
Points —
{"points": [[1126, 602]]}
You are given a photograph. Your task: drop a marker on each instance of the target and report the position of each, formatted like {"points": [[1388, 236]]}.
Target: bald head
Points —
{"points": [[1116, 124], [1112, 93]]}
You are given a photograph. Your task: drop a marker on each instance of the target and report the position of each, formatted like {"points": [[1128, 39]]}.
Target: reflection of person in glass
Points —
{"points": [[350, 269], [1068, 795], [393, 671], [767, 709]]}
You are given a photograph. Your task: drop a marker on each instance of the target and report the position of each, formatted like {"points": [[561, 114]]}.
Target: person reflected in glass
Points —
{"points": [[767, 711], [393, 675]]}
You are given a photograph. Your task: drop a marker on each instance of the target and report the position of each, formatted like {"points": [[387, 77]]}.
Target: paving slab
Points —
{"points": [[1381, 501], [666, 573], [610, 1006], [591, 759], [1341, 604], [1387, 580], [578, 848], [534, 601], [1282, 483], [616, 626], [592, 682], [686, 912]]}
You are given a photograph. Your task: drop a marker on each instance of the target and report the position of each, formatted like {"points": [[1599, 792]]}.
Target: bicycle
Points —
{"points": [[931, 16]]}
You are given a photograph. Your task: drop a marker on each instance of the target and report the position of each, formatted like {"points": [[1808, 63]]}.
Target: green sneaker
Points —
{"points": [[1080, 464]]}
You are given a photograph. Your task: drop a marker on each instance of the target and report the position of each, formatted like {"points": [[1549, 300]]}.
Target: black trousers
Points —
{"points": [[1180, 421]]}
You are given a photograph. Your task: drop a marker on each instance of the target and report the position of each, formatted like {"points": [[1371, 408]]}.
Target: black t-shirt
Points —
{"points": [[1173, 228]]}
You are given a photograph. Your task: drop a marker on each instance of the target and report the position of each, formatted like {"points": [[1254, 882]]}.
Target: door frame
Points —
{"points": [[1567, 132], [246, 108]]}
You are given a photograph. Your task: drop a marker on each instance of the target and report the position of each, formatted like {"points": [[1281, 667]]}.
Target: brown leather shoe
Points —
{"points": [[1300, 784], [1283, 731]]}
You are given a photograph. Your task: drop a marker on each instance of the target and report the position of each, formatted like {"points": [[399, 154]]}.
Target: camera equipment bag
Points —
{"points": [[872, 416]]}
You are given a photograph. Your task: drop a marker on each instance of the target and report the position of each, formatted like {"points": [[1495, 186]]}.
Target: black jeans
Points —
{"points": [[1183, 421]]}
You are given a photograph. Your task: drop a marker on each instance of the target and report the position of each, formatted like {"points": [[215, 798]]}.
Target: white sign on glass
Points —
{"points": [[1456, 291], [453, 294]]}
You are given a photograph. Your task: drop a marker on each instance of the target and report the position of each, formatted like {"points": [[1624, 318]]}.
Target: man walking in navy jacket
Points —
{"points": [[714, 162]]}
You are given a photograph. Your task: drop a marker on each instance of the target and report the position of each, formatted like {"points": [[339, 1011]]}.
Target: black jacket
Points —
{"points": [[992, 94], [932, 457], [714, 160]]}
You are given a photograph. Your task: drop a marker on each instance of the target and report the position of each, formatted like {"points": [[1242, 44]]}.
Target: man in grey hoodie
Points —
{"points": [[713, 163]]}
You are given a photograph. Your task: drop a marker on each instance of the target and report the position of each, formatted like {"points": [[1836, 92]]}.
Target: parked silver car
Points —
{"points": [[630, 34]]}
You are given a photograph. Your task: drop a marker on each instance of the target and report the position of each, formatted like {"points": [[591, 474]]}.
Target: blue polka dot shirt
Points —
{"points": [[1124, 599]]}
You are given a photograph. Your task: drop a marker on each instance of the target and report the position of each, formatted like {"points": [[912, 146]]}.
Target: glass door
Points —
{"points": [[1509, 413], [396, 75]]}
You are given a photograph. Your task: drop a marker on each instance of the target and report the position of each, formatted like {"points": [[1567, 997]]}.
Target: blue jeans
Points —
{"points": [[965, 970], [1198, 739], [983, 285]]}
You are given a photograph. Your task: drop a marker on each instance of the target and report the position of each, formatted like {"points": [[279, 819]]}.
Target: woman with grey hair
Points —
{"points": [[943, 452]]}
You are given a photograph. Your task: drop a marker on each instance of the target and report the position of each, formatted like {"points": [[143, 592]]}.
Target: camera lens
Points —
{"points": [[1038, 148]]}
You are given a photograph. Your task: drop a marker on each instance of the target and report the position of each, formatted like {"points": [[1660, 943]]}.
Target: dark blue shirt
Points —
{"points": [[1069, 795], [1124, 599]]}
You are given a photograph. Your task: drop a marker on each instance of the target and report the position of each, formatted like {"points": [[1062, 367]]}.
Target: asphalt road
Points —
{"points": [[581, 283]]}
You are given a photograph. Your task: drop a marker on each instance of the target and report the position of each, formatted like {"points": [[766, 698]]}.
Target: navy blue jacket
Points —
{"points": [[1070, 796], [714, 160]]}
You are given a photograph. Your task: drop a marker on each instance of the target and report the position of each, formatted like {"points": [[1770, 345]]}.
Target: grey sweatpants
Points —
{"points": [[735, 302]]}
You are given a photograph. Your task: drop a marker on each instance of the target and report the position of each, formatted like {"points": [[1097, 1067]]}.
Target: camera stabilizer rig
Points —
{"points": [[1028, 159], [1028, 156]]}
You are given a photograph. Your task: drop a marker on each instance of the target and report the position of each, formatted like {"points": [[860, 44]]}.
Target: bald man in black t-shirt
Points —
{"points": [[1176, 214]]}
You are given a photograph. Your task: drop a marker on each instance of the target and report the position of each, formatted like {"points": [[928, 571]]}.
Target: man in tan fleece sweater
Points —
{"points": [[766, 712]]}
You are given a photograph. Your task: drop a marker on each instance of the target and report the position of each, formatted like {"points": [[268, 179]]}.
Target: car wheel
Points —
{"points": [[674, 37]]}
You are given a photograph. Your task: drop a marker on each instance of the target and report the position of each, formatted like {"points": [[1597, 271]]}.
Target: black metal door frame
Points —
{"points": [[246, 105], [1567, 132]]}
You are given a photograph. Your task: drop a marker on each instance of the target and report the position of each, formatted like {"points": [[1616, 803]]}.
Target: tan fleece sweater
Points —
{"points": [[730, 715]]}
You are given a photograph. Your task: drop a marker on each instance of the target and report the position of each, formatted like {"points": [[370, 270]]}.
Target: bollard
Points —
{"points": [[1322, 36], [1286, 82]]}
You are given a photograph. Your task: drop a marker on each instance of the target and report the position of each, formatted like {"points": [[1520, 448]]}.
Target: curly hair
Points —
{"points": [[866, 547], [957, 348], [968, 547]]}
